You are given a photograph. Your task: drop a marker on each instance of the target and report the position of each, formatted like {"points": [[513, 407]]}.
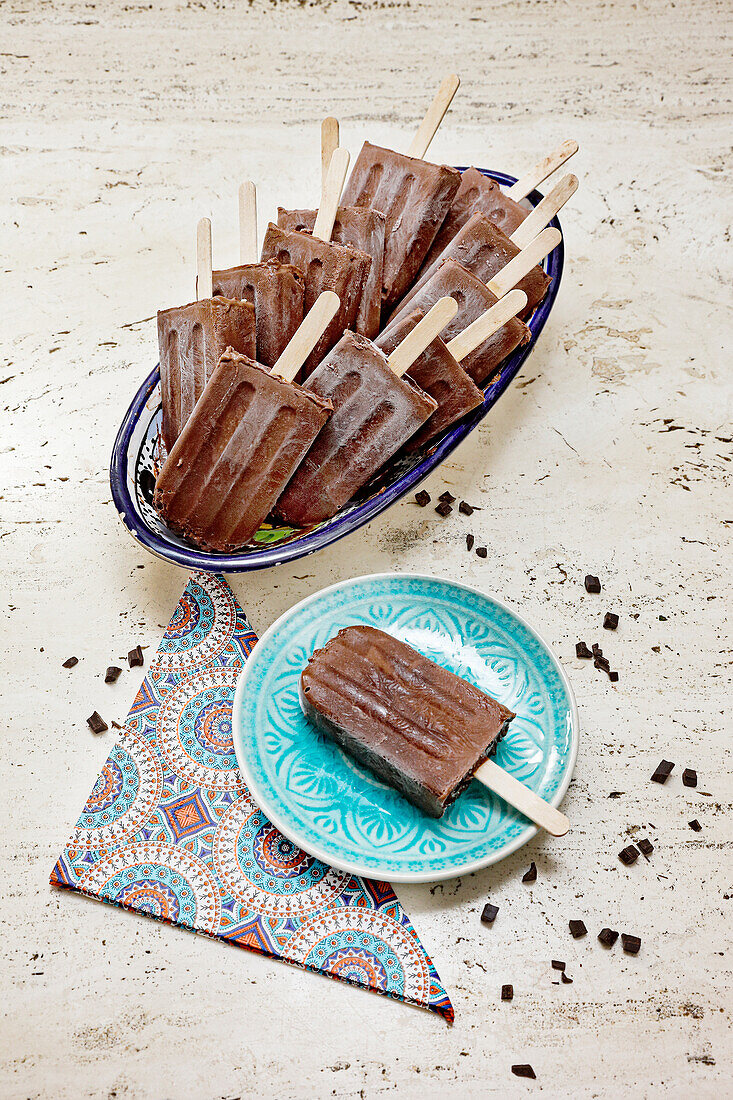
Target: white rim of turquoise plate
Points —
{"points": [[355, 868]]}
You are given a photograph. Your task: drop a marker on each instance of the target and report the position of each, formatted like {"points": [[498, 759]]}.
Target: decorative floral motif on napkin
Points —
{"points": [[170, 829]]}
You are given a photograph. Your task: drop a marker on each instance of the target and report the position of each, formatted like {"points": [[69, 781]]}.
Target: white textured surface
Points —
{"points": [[122, 124]]}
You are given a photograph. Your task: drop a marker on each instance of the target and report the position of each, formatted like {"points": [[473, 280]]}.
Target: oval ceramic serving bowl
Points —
{"points": [[136, 459], [335, 809]]}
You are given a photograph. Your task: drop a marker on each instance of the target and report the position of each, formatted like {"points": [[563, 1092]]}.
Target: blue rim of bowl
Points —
{"points": [[280, 553], [475, 865]]}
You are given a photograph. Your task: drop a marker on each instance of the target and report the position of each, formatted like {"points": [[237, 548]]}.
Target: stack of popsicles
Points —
{"points": [[363, 328]]}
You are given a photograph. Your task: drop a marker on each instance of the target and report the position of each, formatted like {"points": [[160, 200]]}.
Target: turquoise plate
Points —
{"points": [[335, 809]]}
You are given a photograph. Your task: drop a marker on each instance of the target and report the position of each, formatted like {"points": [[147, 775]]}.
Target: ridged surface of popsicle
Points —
{"points": [[477, 194], [277, 292]]}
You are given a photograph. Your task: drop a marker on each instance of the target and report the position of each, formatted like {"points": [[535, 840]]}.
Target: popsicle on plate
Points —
{"points": [[376, 410], [191, 339], [242, 444], [414, 195], [485, 249], [417, 726], [276, 290], [479, 194], [438, 370], [364, 230], [474, 297], [325, 264]]}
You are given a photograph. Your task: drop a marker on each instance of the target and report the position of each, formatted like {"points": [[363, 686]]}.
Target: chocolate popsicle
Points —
{"points": [[276, 290], [415, 196], [479, 194], [485, 249], [474, 297], [376, 410], [438, 370], [364, 230], [325, 265], [191, 338], [417, 726], [242, 444]]}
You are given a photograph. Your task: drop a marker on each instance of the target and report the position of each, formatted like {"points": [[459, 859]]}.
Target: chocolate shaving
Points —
{"points": [[96, 723], [70, 662], [469, 542], [577, 929], [592, 584], [557, 964], [531, 874], [524, 1071], [662, 773], [565, 979], [422, 498], [488, 914]]}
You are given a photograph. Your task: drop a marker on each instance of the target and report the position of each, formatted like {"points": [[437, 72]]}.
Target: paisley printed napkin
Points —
{"points": [[170, 829]]}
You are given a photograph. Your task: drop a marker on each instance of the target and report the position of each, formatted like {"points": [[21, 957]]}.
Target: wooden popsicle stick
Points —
{"points": [[204, 280], [522, 263], [487, 324], [307, 335], [545, 211], [248, 253], [434, 117], [424, 332], [541, 171], [329, 145], [522, 798], [331, 194]]}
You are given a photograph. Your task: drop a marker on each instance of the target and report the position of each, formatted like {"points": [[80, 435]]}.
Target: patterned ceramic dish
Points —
{"points": [[335, 809], [136, 459]]}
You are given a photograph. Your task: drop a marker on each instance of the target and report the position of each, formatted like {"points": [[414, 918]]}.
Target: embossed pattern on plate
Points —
{"points": [[337, 810]]}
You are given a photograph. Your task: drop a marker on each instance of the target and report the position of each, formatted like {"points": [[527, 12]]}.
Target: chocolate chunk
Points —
{"points": [[524, 1071], [135, 657], [592, 584], [446, 497], [469, 542], [607, 937], [645, 847], [444, 509], [613, 676], [507, 993], [577, 929], [695, 826], [616, 794], [610, 621], [565, 979], [112, 674], [480, 551], [531, 874], [602, 663], [662, 618], [689, 777], [422, 498], [630, 944], [557, 964], [629, 855], [662, 773], [488, 915], [96, 723], [465, 508], [70, 662], [596, 650], [117, 726], [581, 650]]}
